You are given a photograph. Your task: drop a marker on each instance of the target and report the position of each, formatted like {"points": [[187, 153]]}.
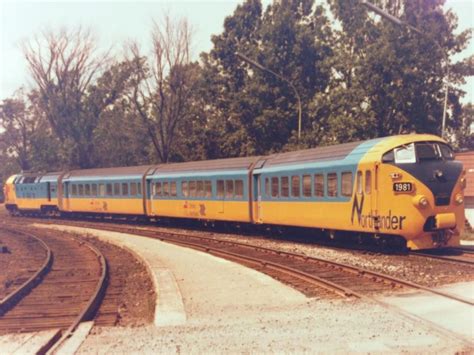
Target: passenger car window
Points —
{"points": [[295, 186], [229, 189], [275, 187], [285, 188], [158, 191], [239, 189], [307, 185], [200, 188], [192, 189], [346, 180], [94, 189], [87, 190], [173, 189], [319, 185], [139, 188], [208, 188], [166, 189], [184, 188], [124, 189], [220, 188], [101, 190], [133, 188], [116, 189], [81, 189], [74, 190], [267, 187], [332, 185]]}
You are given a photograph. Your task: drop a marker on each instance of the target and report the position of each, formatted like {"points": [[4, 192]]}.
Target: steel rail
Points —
{"points": [[452, 258], [14, 297]]}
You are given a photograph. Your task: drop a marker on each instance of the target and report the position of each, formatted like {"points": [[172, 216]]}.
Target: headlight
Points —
{"points": [[420, 201], [459, 199], [463, 183]]}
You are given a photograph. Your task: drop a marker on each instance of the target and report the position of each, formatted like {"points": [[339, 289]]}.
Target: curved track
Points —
{"points": [[68, 293], [458, 255]]}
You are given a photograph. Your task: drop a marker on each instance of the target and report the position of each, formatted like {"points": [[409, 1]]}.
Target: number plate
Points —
{"points": [[403, 187]]}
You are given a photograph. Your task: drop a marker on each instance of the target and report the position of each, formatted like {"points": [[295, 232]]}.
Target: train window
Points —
{"points": [[346, 181], [239, 189], [166, 188], [101, 190], [229, 189], [73, 190], [200, 188], [307, 185], [275, 187], [184, 188], [318, 185], [109, 189], [208, 188], [295, 186], [388, 157], [220, 188], [359, 182], [94, 189], [157, 188], [87, 189], [173, 189], [267, 187], [124, 189], [368, 181], [139, 188], [405, 154], [332, 185], [426, 151], [285, 188], [133, 188], [80, 189], [192, 189], [116, 189], [446, 152]]}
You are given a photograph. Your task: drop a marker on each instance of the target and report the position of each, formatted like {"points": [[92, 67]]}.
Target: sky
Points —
{"points": [[114, 23]]}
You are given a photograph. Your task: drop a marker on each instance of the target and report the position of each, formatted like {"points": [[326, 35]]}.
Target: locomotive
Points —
{"points": [[406, 188]]}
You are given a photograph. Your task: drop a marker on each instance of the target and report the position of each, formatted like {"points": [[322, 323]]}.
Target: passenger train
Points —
{"points": [[407, 188]]}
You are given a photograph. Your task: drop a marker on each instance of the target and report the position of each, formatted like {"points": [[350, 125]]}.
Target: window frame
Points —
{"points": [[332, 182]]}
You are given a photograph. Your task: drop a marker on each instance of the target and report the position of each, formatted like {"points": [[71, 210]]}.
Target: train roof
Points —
{"points": [[119, 172]]}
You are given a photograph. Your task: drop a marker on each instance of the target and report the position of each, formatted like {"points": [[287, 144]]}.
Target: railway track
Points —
{"points": [[66, 291], [458, 255]]}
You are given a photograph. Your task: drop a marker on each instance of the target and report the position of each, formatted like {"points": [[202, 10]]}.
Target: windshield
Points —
{"points": [[419, 152]]}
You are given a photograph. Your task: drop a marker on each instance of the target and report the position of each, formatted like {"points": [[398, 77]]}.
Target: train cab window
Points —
{"points": [[332, 185], [101, 190], [405, 154], [368, 181], [200, 188], [80, 189], [133, 188], [192, 189], [275, 187], [166, 188], [285, 186], [208, 188], [239, 189], [87, 189], [184, 188], [220, 188], [359, 182], [307, 185], [346, 182], [267, 187], [94, 189], [74, 190], [116, 189], [173, 189], [446, 152], [229, 189], [295, 186], [124, 189], [109, 189], [318, 185]]}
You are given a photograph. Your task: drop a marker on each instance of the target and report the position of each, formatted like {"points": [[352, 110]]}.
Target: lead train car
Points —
{"points": [[405, 186]]}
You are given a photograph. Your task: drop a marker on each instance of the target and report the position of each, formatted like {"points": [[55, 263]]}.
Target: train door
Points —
{"points": [[220, 195], [258, 197], [66, 196], [370, 191], [48, 190]]}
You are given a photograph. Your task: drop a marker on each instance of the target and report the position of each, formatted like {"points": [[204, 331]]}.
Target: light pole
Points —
{"points": [[261, 67], [399, 22]]}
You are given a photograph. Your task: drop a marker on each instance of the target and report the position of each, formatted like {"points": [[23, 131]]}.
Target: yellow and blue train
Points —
{"points": [[403, 188]]}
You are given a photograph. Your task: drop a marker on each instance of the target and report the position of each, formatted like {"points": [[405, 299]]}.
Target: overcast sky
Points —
{"points": [[114, 22]]}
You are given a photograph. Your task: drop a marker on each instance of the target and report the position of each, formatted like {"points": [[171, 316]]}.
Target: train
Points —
{"points": [[406, 189]]}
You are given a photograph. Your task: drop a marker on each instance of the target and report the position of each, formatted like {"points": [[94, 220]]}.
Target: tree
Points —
{"points": [[164, 84], [66, 70]]}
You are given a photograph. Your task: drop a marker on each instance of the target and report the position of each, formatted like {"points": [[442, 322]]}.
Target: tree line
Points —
{"points": [[357, 77]]}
